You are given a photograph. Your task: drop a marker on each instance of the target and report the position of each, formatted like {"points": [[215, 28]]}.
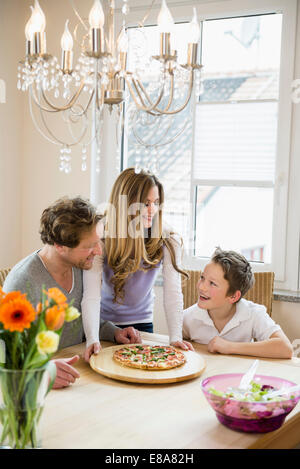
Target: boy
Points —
{"points": [[225, 321]]}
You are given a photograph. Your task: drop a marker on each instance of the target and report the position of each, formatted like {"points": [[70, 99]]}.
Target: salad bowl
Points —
{"points": [[250, 411]]}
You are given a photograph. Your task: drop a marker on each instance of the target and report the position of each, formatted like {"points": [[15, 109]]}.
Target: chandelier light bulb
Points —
{"points": [[194, 29], [165, 20], [38, 18], [96, 16], [66, 39], [29, 27]]}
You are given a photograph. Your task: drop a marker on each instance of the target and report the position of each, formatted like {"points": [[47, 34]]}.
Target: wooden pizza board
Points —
{"points": [[104, 364]]}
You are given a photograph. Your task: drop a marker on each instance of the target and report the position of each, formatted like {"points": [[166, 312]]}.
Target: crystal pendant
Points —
{"points": [[153, 166], [125, 9], [65, 159], [83, 159], [137, 168], [98, 160]]}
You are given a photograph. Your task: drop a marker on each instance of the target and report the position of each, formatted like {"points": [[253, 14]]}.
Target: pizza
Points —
{"points": [[149, 357]]}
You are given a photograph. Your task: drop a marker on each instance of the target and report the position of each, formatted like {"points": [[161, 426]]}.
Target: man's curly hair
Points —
{"points": [[65, 221]]}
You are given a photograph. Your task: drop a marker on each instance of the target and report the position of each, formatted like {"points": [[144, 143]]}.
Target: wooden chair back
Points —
{"points": [[3, 275]]}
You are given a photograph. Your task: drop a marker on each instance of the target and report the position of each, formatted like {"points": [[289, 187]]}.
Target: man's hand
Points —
{"points": [[65, 373], [129, 335], [219, 345], [94, 348], [183, 344]]}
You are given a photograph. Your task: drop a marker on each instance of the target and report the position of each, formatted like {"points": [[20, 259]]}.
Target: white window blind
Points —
{"points": [[235, 141]]}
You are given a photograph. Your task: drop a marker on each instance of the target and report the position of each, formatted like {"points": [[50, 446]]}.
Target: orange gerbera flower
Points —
{"points": [[56, 295], [17, 314], [13, 295], [54, 317], [2, 294]]}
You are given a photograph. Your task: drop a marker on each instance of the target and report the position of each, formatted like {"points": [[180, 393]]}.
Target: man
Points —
{"points": [[69, 231]]}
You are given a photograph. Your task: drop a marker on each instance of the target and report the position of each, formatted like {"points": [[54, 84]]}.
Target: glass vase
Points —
{"points": [[22, 396]]}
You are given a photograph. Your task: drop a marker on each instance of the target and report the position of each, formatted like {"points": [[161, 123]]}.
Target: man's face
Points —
{"points": [[83, 255]]}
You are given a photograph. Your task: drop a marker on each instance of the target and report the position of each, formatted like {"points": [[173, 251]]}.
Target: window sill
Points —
{"points": [[284, 295]]}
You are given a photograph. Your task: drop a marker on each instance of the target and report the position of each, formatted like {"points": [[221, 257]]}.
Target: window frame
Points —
{"points": [[286, 243], [281, 185]]}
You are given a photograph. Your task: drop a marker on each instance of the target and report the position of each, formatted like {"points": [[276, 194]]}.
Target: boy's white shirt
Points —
{"points": [[250, 321], [172, 296]]}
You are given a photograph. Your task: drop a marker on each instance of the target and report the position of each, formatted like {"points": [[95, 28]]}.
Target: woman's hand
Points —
{"points": [[94, 348], [183, 344]]}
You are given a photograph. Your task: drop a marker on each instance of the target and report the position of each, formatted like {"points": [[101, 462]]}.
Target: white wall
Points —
{"points": [[43, 183], [11, 134]]}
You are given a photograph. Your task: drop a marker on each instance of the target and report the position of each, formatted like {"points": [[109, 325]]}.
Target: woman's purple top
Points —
{"points": [[138, 302]]}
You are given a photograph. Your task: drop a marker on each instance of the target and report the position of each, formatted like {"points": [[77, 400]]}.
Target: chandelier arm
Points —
{"points": [[78, 15], [38, 103], [176, 111], [154, 131], [99, 99], [75, 141], [171, 95], [87, 106], [53, 107], [157, 144], [138, 83], [152, 127], [70, 103], [85, 125], [154, 106], [141, 105], [63, 108], [55, 141], [141, 23]]}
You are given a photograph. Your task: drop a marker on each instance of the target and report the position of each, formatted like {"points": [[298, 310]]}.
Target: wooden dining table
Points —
{"points": [[100, 412]]}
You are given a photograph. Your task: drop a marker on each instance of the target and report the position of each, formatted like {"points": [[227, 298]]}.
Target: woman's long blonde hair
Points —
{"points": [[125, 243]]}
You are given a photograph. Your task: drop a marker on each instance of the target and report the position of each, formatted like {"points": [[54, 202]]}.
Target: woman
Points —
{"points": [[135, 245]]}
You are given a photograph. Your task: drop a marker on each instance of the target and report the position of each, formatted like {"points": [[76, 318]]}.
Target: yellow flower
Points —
{"points": [[71, 314], [47, 342]]}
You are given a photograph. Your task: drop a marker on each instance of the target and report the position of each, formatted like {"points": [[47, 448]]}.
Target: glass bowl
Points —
{"points": [[253, 417]]}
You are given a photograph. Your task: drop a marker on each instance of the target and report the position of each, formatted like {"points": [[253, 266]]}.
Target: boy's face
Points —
{"points": [[213, 287]]}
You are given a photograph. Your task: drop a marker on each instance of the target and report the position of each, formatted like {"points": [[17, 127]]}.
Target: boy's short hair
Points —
{"points": [[237, 270], [66, 220]]}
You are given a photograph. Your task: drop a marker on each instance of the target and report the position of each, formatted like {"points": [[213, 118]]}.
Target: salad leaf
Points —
{"points": [[257, 393]]}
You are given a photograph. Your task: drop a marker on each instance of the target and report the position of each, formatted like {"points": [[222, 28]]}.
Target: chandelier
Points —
{"points": [[102, 79]]}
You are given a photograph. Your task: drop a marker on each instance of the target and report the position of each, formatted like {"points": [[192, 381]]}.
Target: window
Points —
{"points": [[171, 162], [226, 176], [235, 136]]}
